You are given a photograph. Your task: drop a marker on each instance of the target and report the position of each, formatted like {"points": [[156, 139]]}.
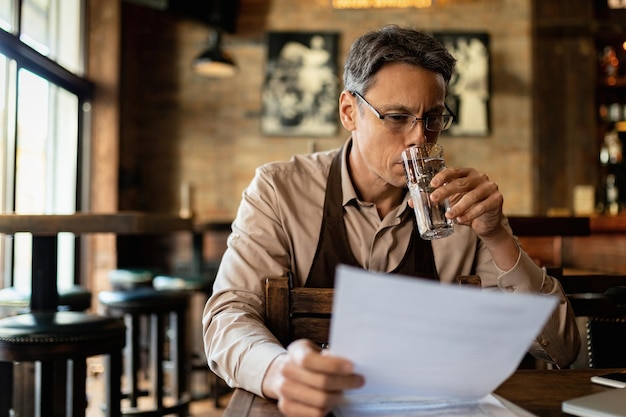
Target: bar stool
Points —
{"points": [[13, 301], [207, 385], [60, 342], [130, 278], [166, 314]]}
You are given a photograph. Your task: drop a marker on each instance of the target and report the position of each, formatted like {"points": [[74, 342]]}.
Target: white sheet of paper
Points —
{"points": [[420, 342]]}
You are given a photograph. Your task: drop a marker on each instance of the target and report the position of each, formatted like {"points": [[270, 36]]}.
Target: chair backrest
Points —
{"points": [[302, 312], [599, 299], [590, 283], [295, 313], [606, 342]]}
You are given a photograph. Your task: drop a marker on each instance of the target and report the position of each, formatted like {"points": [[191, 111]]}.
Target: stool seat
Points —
{"points": [[59, 327], [126, 279], [52, 338], [164, 282], [143, 299], [74, 298]]}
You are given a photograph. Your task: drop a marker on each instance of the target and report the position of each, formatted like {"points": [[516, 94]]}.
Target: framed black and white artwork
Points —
{"points": [[469, 91], [301, 87]]}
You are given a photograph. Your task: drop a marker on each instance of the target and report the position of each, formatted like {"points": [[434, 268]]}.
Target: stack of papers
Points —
{"points": [[427, 349]]}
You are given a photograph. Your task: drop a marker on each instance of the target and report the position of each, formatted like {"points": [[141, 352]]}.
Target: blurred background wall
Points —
{"points": [[179, 127]]}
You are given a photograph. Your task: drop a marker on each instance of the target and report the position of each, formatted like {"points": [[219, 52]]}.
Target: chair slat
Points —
{"points": [[311, 300], [296, 313], [316, 329], [277, 307]]}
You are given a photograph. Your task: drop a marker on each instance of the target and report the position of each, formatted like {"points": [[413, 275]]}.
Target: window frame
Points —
{"points": [[25, 57]]}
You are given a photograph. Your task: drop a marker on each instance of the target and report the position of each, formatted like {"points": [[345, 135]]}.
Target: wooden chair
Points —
{"points": [[306, 314], [295, 313], [596, 299]]}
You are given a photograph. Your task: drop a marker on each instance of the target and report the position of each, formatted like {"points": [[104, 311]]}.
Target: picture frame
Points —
{"points": [[469, 91], [301, 85]]}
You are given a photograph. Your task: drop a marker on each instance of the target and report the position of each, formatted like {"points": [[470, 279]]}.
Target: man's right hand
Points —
{"points": [[308, 382]]}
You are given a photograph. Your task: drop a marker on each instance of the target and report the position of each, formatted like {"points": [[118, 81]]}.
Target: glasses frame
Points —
{"points": [[424, 120]]}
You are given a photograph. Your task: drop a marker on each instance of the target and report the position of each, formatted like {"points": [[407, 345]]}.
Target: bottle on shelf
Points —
{"points": [[613, 176], [609, 65], [612, 207], [611, 149]]}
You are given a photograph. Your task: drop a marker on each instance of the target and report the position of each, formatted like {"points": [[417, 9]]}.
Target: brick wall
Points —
{"points": [[180, 127]]}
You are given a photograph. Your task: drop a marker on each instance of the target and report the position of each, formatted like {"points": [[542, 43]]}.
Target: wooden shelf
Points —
{"points": [[549, 226], [608, 224]]}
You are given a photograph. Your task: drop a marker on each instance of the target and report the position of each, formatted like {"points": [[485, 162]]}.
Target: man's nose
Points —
{"points": [[417, 135]]}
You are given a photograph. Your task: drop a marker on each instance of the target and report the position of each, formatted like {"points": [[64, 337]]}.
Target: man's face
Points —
{"points": [[397, 88]]}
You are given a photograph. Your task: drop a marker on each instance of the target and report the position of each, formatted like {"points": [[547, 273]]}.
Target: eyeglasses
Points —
{"points": [[404, 123]]}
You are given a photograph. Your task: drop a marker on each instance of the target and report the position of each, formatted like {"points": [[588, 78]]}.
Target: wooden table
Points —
{"points": [[45, 227], [539, 392]]}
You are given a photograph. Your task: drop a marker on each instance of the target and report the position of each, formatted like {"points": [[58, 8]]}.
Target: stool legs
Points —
{"points": [[157, 334], [181, 350], [161, 377], [132, 363], [159, 324], [113, 376], [61, 386], [55, 388], [6, 393]]}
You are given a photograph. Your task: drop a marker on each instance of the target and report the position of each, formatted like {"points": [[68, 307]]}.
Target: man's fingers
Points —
{"points": [[308, 355]]}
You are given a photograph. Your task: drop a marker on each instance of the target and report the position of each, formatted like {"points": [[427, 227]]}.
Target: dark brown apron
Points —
{"points": [[333, 247]]}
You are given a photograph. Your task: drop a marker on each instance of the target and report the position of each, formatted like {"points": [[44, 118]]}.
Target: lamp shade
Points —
{"points": [[214, 62]]}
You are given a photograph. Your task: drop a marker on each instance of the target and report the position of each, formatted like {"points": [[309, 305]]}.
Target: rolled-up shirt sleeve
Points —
{"points": [[559, 340], [238, 346]]}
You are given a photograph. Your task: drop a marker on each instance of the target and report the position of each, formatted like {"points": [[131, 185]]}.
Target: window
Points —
{"points": [[43, 105]]}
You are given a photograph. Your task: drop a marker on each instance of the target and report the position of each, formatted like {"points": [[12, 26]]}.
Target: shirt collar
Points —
{"points": [[347, 188]]}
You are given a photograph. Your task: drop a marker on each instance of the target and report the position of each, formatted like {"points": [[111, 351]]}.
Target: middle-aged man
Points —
{"points": [[351, 206]]}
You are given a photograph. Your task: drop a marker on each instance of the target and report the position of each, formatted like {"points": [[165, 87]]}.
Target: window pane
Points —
{"points": [[4, 97], [36, 20], [32, 139], [6, 14], [68, 50], [46, 165], [64, 152], [53, 28], [30, 175], [4, 111]]}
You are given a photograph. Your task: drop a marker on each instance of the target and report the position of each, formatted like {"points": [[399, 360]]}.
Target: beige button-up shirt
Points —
{"points": [[276, 230]]}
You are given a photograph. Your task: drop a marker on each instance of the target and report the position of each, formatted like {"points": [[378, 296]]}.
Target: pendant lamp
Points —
{"points": [[214, 62]]}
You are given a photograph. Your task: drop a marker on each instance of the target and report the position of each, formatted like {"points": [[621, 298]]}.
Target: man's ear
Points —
{"points": [[347, 110]]}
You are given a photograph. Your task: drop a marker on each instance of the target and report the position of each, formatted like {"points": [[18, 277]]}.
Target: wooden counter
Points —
{"points": [[608, 224], [603, 251], [563, 242], [80, 223]]}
